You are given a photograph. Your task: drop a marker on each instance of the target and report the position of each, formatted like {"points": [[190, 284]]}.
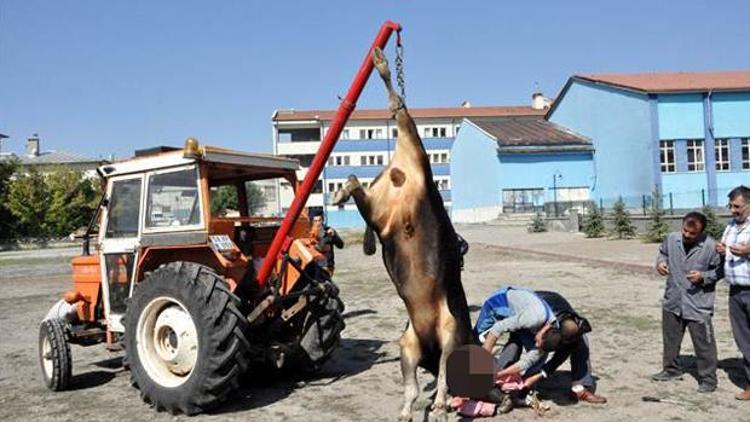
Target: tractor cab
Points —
{"points": [[158, 209]]}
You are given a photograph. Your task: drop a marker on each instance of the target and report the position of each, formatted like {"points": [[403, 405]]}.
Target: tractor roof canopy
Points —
{"points": [[224, 166]]}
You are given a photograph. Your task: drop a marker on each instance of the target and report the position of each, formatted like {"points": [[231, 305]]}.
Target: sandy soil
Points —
{"points": [[362, 381]]}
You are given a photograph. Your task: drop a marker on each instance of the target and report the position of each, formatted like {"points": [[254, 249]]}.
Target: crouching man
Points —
{"points": [[568, 340]]}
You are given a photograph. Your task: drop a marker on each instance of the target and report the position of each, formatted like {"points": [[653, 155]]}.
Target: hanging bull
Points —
{"points": [[420, 250]]}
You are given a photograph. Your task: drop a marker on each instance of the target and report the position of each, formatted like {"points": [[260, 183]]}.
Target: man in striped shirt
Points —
{"points": [[735, 246]]}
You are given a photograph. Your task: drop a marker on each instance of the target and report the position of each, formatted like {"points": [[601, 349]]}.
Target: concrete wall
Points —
{"points": [[681, 116], [731, 114], [619, 124], [474, 176]]}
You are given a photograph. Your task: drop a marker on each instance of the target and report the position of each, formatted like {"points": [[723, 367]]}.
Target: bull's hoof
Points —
{"points": [[339, 198], [404, 418], [438, 415]]}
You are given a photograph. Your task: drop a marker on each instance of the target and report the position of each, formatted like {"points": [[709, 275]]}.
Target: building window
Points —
{"points": [[667, 156], [338, 160], [345, 134], [721, 149], [434, 132], [746, 154], [371, 160], [444, 157], [695, 161], [394, 133], [370, 133], [442, 184]]}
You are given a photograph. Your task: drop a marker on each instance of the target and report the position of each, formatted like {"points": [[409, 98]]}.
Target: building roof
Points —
{"points": [[666, 82], [58, 157], [53, 157], [529, 134], [417, 113]]}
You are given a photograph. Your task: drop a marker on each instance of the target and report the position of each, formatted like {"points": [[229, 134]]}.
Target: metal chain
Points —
{"points": [[400, 70]]}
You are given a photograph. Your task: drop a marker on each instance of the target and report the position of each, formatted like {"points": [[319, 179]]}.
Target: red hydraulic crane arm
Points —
{"points": [[280, 243]]}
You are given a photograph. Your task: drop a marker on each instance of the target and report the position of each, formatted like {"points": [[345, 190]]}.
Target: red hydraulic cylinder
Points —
{"points": [[342, 116]]}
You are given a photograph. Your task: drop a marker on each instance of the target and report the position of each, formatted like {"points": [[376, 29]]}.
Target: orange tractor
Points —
{"points": [[194, 298]]}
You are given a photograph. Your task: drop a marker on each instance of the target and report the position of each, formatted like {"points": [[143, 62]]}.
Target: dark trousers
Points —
{"points": [[739, 316], [578, 352], [704, 343], [580, 362]]}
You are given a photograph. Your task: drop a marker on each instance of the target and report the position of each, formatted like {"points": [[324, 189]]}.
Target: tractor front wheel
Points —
{"points": [[185, 338], [54, 354]]}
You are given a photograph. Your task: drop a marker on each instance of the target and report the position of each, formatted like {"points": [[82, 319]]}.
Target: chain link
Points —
{"points": [[400, 70]]}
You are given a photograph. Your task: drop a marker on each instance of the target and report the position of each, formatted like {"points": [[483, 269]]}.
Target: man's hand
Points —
{"points": [[740, 249], [695, 277], [489, 342], [662, 268], [721, 248], [331, 231]]}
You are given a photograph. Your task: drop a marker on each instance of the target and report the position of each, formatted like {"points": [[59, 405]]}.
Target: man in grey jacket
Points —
{"points": [[689, 260]]}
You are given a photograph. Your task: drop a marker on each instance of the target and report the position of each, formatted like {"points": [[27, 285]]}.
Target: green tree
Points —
{"points": [[8, 229], [222, 199], [538, 225], [28, 202], [255, 198], [72, 201], [658, 227], [714, 227], [622, 226], [225, 198], [594, 226]]}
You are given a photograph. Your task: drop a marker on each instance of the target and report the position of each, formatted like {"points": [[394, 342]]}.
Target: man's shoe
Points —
{"points": [[706, 388], [666, 376], [589, 396], [743, 395]]}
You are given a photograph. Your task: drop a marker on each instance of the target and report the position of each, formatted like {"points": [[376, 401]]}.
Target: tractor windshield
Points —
{"points": [[173, 200]]}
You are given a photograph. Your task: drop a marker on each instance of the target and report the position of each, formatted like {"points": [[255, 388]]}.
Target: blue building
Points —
{"points": [[366, 146], [685, 135], [517, 164]]}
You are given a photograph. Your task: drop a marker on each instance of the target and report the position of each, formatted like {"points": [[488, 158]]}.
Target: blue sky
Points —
{"points": [[100, 77]]}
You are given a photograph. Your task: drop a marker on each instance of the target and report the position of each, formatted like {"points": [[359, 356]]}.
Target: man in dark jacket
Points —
{"points": [[569, 342], [327, 238], [689, 260]]}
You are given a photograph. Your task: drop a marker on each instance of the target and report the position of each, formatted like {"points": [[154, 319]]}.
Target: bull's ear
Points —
{"points": [[398, 177], [368, 243]]}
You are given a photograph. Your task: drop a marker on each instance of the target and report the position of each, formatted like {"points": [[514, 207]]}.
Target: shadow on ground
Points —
{"points": [[734, 368], [557, 388], [352, 357]]}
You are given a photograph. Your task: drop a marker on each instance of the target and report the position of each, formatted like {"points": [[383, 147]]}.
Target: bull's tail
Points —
{"points": [[368, 243]]}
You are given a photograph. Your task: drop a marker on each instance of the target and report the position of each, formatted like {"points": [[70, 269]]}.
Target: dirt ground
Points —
{"points": [[362, 381]]}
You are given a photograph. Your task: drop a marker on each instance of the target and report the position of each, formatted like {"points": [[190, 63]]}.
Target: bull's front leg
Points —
{"points": [[411, 353], [353, 189]]}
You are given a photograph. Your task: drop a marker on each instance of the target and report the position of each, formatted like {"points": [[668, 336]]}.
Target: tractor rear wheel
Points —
{"points": [[54, 354], [320, 331], [185, 338]]}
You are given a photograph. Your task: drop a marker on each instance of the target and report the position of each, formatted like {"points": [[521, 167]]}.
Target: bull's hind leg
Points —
{"points": [[395, 102], [407, 129], [410, 356], [448, 344]]}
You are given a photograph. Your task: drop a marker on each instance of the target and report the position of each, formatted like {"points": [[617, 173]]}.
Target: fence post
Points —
{"points": [[601, 205], [643, 198], [671, 207], [703, 197]]}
